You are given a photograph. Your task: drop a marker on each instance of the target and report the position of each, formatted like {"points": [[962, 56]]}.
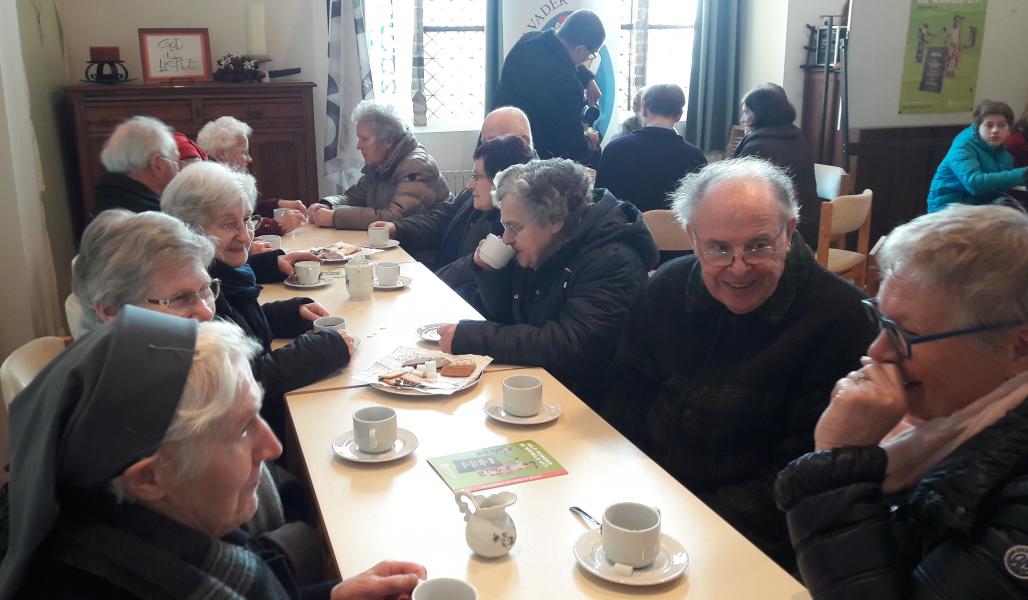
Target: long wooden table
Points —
{"points": [[387, 320], [403, 510]]}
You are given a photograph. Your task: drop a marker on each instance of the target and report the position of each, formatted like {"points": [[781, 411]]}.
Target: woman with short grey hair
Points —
{"points": [[227, 140], [140, 448], [147, 259], [935, 420], [399, 178], [218, 201], [580, 259]]}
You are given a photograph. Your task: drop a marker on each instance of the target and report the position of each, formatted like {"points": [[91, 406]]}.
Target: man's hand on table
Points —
{"points": [[286, 261], [446, 337], [384, 581]]}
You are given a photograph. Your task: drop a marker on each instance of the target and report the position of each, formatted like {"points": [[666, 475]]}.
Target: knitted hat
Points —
{"points": [[187, 148]]}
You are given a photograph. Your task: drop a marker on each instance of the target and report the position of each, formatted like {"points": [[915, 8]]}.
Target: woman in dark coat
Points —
{"points": [[217, 200], [478, 218], [580, 260], [918, 487], [768, 119]]}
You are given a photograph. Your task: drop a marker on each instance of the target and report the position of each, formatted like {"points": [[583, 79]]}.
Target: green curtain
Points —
{"points": [[493, 49], [714, 79]]}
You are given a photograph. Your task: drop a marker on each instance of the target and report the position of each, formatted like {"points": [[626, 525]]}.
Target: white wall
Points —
{"points": [[763, 42], [877, 45], [296, 35]]}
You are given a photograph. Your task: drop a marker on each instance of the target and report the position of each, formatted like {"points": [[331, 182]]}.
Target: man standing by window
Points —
{"points": [[545, 76]]}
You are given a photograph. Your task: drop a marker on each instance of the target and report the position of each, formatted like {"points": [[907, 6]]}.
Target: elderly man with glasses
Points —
{"points": [[731, 354]]}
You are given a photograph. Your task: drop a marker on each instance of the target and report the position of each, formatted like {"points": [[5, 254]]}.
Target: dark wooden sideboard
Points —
{"points": [[281, 114]]}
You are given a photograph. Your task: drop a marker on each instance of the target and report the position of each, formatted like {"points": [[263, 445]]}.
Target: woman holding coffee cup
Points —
{"points": [[580, 259], [227, 141], [217, 201]]}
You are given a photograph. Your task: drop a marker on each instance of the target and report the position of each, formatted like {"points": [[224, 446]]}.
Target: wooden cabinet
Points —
{"points": [[281, 114]]}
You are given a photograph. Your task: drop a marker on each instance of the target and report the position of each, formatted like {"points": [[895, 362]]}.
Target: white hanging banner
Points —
{"points": [[522, 17]]}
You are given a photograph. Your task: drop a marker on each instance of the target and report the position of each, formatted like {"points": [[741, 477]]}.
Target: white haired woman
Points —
{"points": [[218, 201], [918, 487], [227, 140], [580, 260], [399, 178], [98, 513]]}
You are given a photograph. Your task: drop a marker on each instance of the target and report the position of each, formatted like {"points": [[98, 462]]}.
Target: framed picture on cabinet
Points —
{"points": [[175, 55]]}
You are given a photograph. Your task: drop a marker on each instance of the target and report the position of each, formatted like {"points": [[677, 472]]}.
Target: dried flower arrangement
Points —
{"points": [[238, 69]]}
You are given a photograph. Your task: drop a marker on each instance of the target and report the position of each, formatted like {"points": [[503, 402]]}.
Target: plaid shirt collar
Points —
{"points": [[799, 264]]}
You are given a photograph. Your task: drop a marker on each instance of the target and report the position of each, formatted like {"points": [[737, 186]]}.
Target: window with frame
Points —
{"points": [[655, 39]]}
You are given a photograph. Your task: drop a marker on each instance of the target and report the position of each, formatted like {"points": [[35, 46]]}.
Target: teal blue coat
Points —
{"points": [[972, 172]]}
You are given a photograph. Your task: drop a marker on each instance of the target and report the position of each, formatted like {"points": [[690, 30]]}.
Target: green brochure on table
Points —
{"points": [[499, 465]]}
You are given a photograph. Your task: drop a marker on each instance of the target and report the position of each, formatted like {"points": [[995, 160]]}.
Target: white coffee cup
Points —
{"points": [[387, 273], [278, 213], [274, 240], [495, 253], [378, 236], [522, 395], [631, 534], [374, 429], [330, 324], [308, 272], [444, 588]]}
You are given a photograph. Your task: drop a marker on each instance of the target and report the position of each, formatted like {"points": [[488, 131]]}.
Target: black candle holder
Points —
{"points": [[106, 71]]}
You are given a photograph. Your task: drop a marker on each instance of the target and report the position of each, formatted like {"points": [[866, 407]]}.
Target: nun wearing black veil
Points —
{"points": [[135, 459]]}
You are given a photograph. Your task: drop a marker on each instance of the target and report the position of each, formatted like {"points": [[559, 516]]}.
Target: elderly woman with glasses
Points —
{"points": [[918, 487], [400, 178], [227, 140], [580, 259], [218, 201], [137, 456]]}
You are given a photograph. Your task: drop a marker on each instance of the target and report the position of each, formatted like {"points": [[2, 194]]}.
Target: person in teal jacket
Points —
{"points": [[977, 169]]}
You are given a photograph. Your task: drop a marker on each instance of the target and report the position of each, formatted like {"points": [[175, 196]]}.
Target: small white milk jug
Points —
{"points": [[490, 531], [360, 277]]}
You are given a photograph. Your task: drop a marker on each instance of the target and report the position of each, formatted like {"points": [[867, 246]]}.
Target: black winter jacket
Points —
{"points": [[117, 190], [962, 532], [786, 147], [539, 78], [567, 314], [310, 357]]}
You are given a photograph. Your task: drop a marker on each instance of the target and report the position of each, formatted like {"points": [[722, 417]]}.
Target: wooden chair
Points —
{"points": [[832, 181], [840, 216], [667, 232], [16, 372]]}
